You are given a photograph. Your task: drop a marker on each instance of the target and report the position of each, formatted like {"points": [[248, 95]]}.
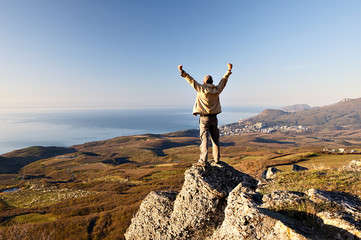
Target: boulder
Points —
{"points": [[297, 168], [270, 173]]}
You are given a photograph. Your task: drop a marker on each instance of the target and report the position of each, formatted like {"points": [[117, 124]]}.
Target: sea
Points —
{"points": [[21, 128]]}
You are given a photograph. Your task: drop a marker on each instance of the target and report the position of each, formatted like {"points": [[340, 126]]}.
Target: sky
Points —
{"points": [[125, 53]]}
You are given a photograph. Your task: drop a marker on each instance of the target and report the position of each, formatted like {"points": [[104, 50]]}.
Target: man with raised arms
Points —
{"points": [[207, 105]]}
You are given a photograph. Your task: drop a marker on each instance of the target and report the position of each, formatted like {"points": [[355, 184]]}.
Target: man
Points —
{"points": [[207, 105]]}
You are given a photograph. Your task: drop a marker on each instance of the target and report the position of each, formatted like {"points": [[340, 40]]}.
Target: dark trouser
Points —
{"points": [[208, 125]]}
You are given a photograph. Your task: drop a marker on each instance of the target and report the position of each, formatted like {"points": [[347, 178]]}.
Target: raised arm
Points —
{"points": [[229, 65], [180, 67], [189, 79], [224, 80]]}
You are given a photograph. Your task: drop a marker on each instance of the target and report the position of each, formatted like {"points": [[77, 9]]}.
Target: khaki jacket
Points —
{"points": [[207, 101]]}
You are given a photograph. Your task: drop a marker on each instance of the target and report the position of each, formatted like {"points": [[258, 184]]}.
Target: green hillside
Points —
{"points": [[12, 162]]}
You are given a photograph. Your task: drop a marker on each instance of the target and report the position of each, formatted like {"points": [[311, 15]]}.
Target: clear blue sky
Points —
{"points": [[86, 53]]}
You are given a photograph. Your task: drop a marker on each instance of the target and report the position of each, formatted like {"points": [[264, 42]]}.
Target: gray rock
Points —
{"points": [[201, 202], [343, 213], [219, 202], [246, 219], [270, 173], [354, 165], [347, 203], [197, 210], [152, 218], [279, 199], [297, 168]]}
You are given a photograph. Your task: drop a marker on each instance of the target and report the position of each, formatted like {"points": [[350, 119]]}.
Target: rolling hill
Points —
{"points": [[13, 161]]}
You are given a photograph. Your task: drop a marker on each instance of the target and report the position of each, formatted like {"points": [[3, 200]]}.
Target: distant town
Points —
{"points": [[247, 127], [340, 151]]}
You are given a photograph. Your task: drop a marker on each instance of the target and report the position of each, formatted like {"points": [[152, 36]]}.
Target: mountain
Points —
{"points": [[344, 115], [13, 161], [296, 108], [270, 115]]}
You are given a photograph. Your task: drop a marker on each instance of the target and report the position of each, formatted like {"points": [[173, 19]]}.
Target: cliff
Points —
{"points": [[219, 202]]}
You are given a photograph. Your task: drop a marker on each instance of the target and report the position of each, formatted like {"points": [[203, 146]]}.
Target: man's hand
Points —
{"points": [[229, 66], [180, 67]]}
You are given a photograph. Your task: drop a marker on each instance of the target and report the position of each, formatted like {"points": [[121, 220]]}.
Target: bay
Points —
{"points": [[20, 128]]}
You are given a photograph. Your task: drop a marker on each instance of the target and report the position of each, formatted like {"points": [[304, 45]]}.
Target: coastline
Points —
{"points": [[23, 128]]}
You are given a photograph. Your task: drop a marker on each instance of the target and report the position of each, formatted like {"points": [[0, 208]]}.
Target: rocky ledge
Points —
{"points": [[219, 202]]}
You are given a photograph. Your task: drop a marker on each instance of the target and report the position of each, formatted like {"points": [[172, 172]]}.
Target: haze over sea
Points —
{"points": [[20, 128]]}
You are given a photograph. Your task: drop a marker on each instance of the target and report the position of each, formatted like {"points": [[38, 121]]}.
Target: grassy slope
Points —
{"points": [[322, 179], [12, 162]]}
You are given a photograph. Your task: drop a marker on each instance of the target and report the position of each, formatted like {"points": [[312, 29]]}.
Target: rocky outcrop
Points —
{"points": [[354, 165], [201, 202], [245, 218], [219, 202], [347, 218], [279, 199], [152, 219], [196, 211]]}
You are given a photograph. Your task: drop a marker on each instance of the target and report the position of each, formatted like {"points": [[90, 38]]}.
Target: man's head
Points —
{"points": [[208, 79]]}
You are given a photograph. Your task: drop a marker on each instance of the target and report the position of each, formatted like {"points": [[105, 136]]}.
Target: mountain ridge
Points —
{"points": [[296, 108], [342, 115]]}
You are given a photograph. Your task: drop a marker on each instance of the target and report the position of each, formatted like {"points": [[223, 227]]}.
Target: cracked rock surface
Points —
{"points": [[219, 202]]}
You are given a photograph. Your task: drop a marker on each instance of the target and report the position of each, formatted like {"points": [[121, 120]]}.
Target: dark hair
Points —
{"points": [[208, 79]]}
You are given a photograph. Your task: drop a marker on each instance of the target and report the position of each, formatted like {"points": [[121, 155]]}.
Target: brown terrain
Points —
{"points": [[92, 190]]}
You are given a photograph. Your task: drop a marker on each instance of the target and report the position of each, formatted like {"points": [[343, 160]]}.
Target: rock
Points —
{"points": [[354, 165], [343, 213], [346, 202], [279, 199], [152, 218], [201, 202], [241, 216], [219, 202], [196, 210], [246, 219], [297, 168], [339, 227], [270, 173]]}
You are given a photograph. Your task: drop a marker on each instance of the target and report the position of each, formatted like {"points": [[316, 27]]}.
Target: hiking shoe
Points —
{"points": [[217, 163], [202, 163]]}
